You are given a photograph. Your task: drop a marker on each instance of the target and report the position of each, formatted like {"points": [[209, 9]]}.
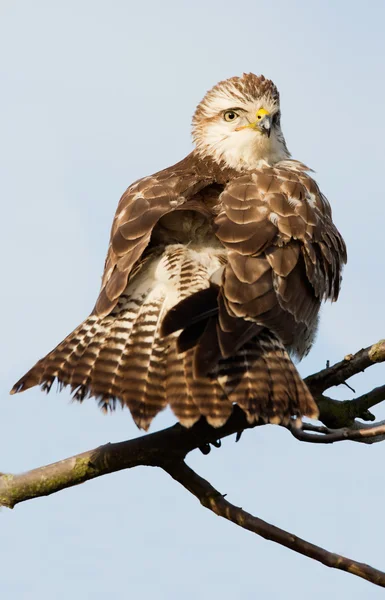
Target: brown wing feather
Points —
{"points": [[139, 210], [285, 254]]}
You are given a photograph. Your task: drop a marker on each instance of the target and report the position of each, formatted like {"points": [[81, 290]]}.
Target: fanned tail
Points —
{"points": [[125, 357], [119, 357]]}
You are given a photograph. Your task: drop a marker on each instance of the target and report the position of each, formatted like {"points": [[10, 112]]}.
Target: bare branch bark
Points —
{"points": [[173, 443], [351, 365], [328, 436], [366, 401], [210, 498], [337, 414], [364, 439], [342, 413]]}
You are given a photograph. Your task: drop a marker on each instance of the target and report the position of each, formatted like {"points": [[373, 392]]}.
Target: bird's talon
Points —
{"points": [[205, 449], [238, 436]]}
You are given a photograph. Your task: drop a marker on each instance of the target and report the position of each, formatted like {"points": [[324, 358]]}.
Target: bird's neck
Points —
{"points": [[246, 156]]}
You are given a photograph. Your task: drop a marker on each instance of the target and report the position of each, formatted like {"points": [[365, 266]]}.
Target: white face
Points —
{"points": [[241, 132]]}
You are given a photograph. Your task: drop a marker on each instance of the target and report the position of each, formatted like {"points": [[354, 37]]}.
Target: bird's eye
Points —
{"points": [[230, 115]]}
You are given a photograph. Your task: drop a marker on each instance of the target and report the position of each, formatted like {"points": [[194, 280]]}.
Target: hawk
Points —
{"points": [[215, 272]]}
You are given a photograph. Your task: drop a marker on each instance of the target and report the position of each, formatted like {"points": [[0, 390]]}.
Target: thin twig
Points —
{"points": [[214, 501], [356, 426], [325, 435]]}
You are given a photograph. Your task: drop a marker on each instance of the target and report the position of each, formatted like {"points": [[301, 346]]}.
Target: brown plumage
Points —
{"points": [[215, 273]]}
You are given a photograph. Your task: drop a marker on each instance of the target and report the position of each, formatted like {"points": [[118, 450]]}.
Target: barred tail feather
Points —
{"points": [[142, 369], [179, 395], [211, 400], [124, 356], [264, 382]]}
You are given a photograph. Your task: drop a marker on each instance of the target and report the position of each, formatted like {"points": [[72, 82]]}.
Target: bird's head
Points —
{"points": [[238, 123]]}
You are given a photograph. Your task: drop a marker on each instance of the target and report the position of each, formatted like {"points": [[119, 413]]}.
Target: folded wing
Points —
{"points": [[139, 210], [284, 255]]}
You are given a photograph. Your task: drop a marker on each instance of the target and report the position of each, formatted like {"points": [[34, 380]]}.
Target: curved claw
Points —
{"points": [[239, 435], [205, 449]]}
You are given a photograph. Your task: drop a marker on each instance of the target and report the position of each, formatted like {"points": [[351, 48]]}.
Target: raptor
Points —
{"points": [[214, 277]]}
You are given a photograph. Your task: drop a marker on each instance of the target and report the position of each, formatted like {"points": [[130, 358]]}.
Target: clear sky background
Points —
{"points": [[95, 94]]}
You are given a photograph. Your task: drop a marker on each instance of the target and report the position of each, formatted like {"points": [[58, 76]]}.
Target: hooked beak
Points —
{"points": [[262, 124]]}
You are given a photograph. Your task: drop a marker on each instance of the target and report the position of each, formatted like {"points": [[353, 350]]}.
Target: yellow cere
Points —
{"points": [[262, 112]]}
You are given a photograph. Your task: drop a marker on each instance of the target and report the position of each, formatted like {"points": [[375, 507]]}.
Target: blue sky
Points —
{"points": [[96, 94]]}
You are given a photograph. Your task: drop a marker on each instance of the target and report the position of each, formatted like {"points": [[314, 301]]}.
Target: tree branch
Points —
{"points": [[176, 442], [173, 443], [168, 448], [337, 414], [351, 365], [324, 435], [366, 401], [210, 498], [379, 437]]}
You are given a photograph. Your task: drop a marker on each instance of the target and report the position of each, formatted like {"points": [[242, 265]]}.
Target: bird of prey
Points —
{"points": [[215, 272]]}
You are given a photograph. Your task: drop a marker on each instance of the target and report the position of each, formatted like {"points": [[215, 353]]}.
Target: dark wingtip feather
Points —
{"points": [[207, 352], [27, 381], [191, 310], [18, 387], [190, 336]]}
